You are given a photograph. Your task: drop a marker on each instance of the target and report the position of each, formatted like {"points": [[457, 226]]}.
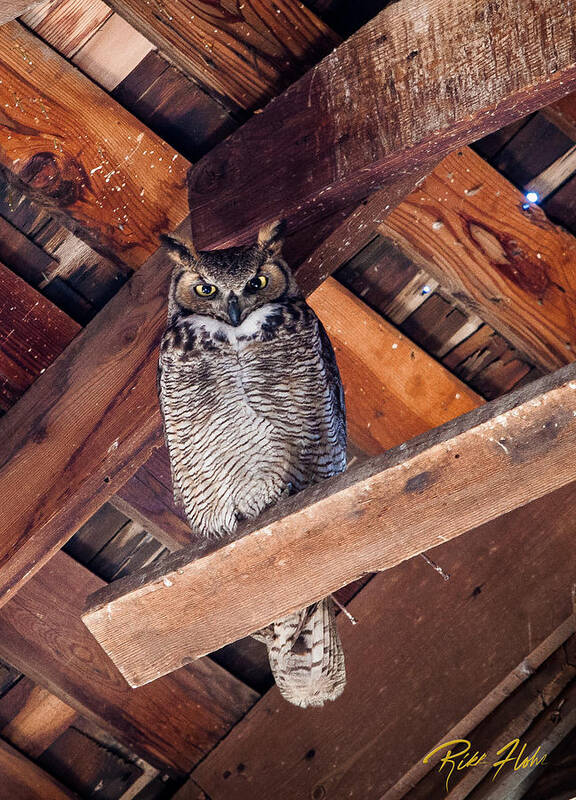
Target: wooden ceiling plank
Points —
{"points": [[33, 332], [172, 723], [563, 114], [31, 718], [56, 141], [21, 778], [469, 471], [495, 253], [14, 8], [377, 106], [67, 25], [245, 53]]}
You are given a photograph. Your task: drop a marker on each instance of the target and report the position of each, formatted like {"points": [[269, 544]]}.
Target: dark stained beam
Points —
{"points": [[374, 516], [172, 723], [410, 86]]}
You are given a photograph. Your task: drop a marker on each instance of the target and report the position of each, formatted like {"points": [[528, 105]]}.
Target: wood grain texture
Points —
{"points": [[172, 723], [56, 141], [22, 779], [563, 114], [31, 718], [81, 459], [33, 332], [372, 517], [468, 226], [390, 384], [383, 102], [14, 8], [111, 54], [67, 25], [512, 719], [244, 52], [424, 654]]}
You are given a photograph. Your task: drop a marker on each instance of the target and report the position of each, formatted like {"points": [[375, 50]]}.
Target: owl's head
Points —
{"points": [[230, 284]]}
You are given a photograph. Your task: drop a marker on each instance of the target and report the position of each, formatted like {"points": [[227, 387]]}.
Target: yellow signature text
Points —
{"points": [[458, 756]]}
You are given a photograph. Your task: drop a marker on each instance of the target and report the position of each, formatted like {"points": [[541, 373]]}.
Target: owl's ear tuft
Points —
{"points": [[180, 251], [270, 237]]}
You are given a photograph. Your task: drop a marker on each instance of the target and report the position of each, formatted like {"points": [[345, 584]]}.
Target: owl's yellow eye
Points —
{"points": [[257, 283], [205, 289]]}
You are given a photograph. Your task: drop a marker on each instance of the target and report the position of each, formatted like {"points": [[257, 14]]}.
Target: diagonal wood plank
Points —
{"points": [[172, 723], [246, 52], [57, 142], [372, 517], [24, 780], [500, 256], [383, 102]]}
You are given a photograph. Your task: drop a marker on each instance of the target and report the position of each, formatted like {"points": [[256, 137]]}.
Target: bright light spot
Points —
{"points": [[532, 197], [426, 289]]}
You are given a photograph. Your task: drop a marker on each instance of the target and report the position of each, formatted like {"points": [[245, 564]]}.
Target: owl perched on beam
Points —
{"points": [[253, 410]]}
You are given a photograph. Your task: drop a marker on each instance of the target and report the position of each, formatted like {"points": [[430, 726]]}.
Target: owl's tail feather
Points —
{"points": [[306, 655]]}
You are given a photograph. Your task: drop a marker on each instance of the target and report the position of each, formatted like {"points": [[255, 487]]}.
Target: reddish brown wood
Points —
{"points": [[22, 779], [377, 106], [33, 332], [171, 723], [56, 141]]}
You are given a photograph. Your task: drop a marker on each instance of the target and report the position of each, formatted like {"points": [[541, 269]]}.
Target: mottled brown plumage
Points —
{"points": [[253, 409]]}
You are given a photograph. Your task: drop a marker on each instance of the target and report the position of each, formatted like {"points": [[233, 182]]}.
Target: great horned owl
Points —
{"points": [[253, 410]]}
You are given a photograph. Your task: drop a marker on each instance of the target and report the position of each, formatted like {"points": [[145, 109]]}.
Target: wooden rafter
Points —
{"points": [[14, 8], [25, 780], [484, 464], [379, 106], [475, 233], [245, 52], [203, 703]]}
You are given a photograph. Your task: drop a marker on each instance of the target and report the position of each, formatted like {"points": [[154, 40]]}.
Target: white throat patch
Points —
{"points": [[249, 327]]}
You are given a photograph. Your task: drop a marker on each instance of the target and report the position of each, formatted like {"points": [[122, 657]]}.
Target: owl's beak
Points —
{"points": [[234, 310]]}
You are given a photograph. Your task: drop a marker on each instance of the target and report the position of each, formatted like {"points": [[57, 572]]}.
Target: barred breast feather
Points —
{"points": [[250, 412]]}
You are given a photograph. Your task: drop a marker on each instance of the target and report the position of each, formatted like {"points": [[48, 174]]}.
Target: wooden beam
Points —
{"points": [[56, 141], [447, 650], [31, 718], [467, 472], [495, 253], [245, 53], [15, 8], [378, 106], [171, 724], [24, 780]]}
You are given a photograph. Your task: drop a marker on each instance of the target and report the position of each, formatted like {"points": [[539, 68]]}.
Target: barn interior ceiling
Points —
{"points": [[429, 187]]}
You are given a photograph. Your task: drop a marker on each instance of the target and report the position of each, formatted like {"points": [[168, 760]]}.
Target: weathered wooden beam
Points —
{"points": [[247, 53], [171, 724], [497, 254], [383, 102], [24, 780], [56, 141], [467, 472], [448, 650]]}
